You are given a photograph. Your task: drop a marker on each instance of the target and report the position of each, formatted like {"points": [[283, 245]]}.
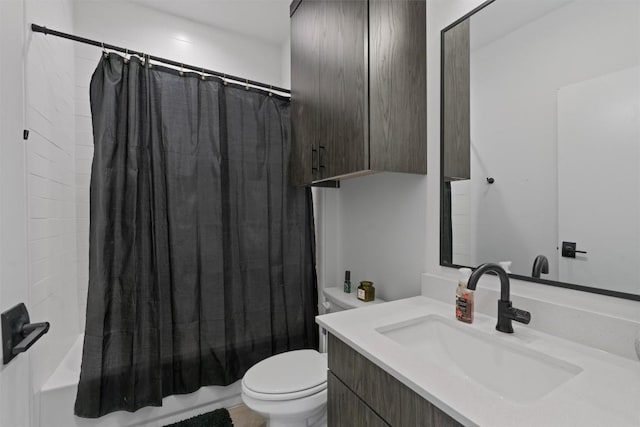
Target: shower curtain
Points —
{"points": [[446, 224], [201, 253]]}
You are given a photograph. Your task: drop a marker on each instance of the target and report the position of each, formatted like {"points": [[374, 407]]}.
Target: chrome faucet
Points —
{"points": [[506, 312]]}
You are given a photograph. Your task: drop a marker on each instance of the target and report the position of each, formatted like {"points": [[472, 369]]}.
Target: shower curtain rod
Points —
{"points": [[270, 88]]}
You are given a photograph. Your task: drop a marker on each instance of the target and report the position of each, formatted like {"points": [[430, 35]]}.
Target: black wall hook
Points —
{"points": [[490, 180]]}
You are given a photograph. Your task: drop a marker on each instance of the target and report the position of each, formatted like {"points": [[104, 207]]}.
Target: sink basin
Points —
{"points": [[511, 370]]}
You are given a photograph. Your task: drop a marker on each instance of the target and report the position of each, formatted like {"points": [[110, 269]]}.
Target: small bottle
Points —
{"points": [[464, 297], [366, 291], [347, 282]]}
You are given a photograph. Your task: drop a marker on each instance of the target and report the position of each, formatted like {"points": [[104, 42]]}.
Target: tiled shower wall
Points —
{"points": [[85, 62], [51, 184]]}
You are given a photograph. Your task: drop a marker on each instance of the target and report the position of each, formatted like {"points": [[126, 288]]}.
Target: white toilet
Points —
{"points": [[290, 389]]}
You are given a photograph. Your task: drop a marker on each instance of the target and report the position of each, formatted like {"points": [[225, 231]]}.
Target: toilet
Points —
{"points": [[290, 389]]}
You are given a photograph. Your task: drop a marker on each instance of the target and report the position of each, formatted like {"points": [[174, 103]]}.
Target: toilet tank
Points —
{"points": [[337, 300]]}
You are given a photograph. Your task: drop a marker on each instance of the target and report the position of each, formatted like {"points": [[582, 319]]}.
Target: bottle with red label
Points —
{"points": [[464, 297]]}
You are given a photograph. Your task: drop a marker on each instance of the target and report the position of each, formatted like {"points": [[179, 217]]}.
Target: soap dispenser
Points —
{"points": [[464, 297]]}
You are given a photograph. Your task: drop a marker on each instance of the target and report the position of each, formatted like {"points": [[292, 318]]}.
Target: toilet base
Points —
{"points": [[310, 411], [318, 419]]}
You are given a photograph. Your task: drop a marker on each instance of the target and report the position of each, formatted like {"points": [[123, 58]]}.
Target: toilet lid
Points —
{"points": [[291, 372]]}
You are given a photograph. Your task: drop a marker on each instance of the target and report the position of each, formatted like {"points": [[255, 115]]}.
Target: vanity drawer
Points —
{"points": [[394, 402], [345, 409]]}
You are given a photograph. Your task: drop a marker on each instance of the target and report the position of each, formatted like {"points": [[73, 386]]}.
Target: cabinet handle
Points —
{"points": [[314, 156], [320, 156]]}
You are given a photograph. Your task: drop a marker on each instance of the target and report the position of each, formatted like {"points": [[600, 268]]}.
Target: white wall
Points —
{"points": [[462, 249], [15, 393], [599, 122], [373, 226], [380, 232], [286, 63], [132, 26], [37, 195], [51, 167], [129, 25]]}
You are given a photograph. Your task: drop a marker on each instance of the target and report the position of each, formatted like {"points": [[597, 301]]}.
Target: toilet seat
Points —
{"points": [[285, 396], [287, 376]]}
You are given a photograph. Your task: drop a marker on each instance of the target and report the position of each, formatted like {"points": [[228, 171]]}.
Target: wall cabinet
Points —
{"points": [[358, 84], [361, 394], [456, 106]]}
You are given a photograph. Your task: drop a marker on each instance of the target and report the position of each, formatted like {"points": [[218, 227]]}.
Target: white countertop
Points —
{"points": [[605, 393]]}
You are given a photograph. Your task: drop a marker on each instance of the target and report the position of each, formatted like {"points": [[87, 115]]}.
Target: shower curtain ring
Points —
{"points": [[270, 90], [202, 73], [224, 79], [126, 56], [104, 51], [181, 69], [247, 84]]}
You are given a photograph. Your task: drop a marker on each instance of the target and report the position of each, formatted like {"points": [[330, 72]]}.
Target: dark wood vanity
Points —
{"points": [[361, 394]]}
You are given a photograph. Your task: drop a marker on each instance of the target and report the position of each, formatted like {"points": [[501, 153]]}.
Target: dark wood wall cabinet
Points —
{"points": [[456, 110], [360, 394], [358, 88]]}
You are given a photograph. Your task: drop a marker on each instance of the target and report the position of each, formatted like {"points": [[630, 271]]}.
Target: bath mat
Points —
{"points": [[217, 418]]}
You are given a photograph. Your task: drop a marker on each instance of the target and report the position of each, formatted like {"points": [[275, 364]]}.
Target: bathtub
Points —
{"points": [[58, 395]]}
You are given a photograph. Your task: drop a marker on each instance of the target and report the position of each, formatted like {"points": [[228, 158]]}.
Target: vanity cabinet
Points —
{"points": [[358, 88], [361, 394], [345, 409]]}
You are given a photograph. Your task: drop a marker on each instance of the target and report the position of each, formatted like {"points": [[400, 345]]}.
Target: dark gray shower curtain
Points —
{"points": [[201, 253]]}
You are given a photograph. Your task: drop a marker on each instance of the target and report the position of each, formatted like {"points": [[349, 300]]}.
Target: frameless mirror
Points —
{"points": [[541, 142]]}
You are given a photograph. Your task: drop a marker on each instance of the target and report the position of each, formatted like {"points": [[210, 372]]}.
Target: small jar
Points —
{"points": [[366, 291]]}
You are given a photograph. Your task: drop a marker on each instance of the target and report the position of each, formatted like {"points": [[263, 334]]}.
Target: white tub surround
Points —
{"points": [[600, 388], [58, 396]]}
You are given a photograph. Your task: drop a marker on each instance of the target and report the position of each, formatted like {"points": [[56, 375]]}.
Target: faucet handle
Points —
{"points": [[507, 313], [518, 315]]}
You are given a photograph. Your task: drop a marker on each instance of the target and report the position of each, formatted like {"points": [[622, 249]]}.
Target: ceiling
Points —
{"points": [[501, 18], [264, 19]]}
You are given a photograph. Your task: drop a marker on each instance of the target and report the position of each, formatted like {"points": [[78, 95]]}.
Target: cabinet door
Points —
{"points": [[390, 399], [305, 68], [345, 409], [344, 88], [398, 85], [456, 124]]}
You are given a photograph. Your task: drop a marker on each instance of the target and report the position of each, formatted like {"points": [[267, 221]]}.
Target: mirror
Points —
{"points": [[541, 142]]}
